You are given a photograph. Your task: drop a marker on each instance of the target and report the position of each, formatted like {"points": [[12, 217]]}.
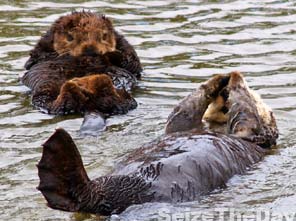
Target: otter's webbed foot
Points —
{"points": [[125, 103], [97, 93], [118, 101], [63, 106], [70, 100]]}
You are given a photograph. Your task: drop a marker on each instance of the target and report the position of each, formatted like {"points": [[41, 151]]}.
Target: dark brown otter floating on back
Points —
{"points": [[86, 47], [180, 166]]}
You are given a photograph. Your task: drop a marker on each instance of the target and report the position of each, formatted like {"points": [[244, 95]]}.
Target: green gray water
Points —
{"points": [[180, 43]]}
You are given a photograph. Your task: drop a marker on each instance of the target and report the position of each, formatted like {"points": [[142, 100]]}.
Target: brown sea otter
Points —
{"points": [[82, 64], [177, 167]]}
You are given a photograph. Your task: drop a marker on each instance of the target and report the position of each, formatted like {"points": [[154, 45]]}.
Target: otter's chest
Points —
{"points": [[182, 169]]}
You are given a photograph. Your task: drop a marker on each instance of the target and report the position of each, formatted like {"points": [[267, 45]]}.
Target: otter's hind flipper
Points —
{"points": [[61, 171]]}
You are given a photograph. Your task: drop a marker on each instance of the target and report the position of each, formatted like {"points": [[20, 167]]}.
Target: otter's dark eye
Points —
{"points": [[105, 35], [69, 37]]}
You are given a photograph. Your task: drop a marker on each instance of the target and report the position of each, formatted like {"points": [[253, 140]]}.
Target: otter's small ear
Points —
{"points": [[74, 11], [60, 25], [108, 20]]}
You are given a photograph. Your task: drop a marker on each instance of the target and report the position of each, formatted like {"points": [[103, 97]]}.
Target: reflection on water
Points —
{"points": [[180, 43]]}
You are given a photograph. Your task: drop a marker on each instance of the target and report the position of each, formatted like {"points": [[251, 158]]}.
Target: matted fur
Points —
{"points": [[81, 31]]}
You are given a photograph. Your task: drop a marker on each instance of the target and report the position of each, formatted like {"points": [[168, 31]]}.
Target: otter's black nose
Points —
{"points": [[90, 51]]}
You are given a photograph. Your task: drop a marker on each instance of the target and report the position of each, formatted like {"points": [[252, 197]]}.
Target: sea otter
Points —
{"points": [[236, 105], [180, 166], [82, 65]]}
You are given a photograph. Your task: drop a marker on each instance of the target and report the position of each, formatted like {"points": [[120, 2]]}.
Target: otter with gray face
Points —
{"points": [[82, 65], [184, 164]]}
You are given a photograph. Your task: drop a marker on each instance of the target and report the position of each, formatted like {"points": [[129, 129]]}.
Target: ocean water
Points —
{"points": [[180, 44]]}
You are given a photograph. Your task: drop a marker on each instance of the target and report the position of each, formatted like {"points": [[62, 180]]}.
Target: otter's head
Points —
{"points": [[83, 34], [226, 99]]}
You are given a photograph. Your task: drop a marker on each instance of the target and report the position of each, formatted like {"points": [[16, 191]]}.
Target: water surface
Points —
{"points": [[181, 44]]}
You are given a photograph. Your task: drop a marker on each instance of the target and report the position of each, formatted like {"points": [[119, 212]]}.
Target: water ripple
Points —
{"points": [[181, 44]]}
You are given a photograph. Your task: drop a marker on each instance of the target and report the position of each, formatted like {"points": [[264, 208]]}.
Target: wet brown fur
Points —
{"points": [[94, 92], [80, 31], [79, 45]]}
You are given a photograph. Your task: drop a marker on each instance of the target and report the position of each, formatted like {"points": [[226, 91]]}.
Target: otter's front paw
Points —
{"points": [[214, 85]]}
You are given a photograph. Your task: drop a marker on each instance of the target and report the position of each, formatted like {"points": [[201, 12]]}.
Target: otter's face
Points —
{"points": [[83, 34]]}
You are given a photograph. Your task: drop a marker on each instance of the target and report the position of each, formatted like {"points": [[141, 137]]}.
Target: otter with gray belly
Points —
{"points": [[187, 162]]}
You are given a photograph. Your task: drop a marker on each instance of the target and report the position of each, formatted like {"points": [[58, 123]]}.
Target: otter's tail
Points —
{"points": [[61, 171]]}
